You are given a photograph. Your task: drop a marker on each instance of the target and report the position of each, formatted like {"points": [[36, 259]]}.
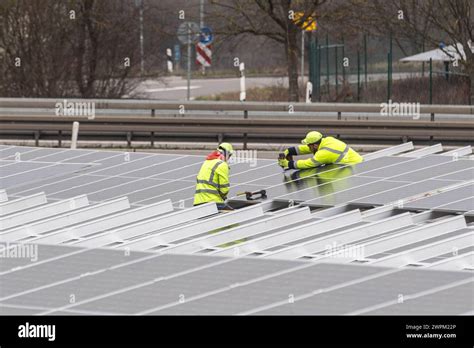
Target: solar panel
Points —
{"points": [[273, 256], [462, 175], [355, 297], [458, 206], [445, 198], [280, 288], [402, 191], [450, 301], [445, 168]]}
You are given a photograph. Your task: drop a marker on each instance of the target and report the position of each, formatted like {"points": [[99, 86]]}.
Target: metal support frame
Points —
{"points": [[289, 218], [462, 151], [426, 251], [378, 213], [3, 196], [328, 212], [22, 203], [339, 239], [455, 263], [151, 226], [60, 221], [42, 211], [413, 235], [192, 229], [108, 222], [428, 150], [425, 215], [394, 150], [301, 231]]}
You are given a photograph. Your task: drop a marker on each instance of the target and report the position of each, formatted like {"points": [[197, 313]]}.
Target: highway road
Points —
{"points": [[175, 88]]}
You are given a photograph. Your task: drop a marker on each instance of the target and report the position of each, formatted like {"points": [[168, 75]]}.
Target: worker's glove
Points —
{"points": [[283, 162], [288, 154]]}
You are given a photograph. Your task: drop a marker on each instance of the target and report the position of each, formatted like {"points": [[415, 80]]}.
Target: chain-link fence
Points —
{"points": [[370, 70]]}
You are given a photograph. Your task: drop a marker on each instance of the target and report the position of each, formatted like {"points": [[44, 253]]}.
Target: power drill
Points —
{"points": [[281, 155]]}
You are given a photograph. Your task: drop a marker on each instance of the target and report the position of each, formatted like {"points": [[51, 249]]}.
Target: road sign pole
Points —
{"points": [[319, 72], [302, 57], [358, 75], [201, 25], [189, 63], [327, 64], [336, 72], [365, 59], [343, 57]]}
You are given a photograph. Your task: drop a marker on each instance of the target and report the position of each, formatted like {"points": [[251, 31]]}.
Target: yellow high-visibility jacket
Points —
{"points": [[212, 182], [331, 150]]}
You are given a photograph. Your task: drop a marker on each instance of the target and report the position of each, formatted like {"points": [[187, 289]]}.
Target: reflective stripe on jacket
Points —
{"points": [[212, 182], [331, 150]]}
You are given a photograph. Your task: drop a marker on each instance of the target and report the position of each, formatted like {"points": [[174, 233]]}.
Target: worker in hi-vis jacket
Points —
{"points": [[325, 150], [212, 182]]}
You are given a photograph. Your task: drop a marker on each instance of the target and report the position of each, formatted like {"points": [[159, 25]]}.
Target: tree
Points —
{"points": [[423, 21], [82, 48], [273, 19]]}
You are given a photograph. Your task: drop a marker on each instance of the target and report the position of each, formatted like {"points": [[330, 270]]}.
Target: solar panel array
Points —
{"points": [[336, 240]]}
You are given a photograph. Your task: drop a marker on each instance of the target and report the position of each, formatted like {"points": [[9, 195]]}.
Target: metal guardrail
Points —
{"points": [[337, 108], [217, 129], [233, 128]]}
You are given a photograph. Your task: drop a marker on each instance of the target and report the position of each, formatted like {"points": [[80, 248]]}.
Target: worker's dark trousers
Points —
{"points": [[220, 206]]}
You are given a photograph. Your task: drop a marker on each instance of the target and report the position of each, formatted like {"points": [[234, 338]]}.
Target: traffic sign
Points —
{"points": [[203, 54], [309, 24], [206, 36], [177, 53], [190, 28]]}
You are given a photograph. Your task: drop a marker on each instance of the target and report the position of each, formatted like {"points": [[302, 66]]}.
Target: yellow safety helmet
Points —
{"points": [[312, 138], [227, 148]]}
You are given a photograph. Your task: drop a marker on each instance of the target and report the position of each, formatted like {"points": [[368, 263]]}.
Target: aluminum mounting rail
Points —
{"points": [[289, 218], [147, 227], [462, 151], [428, 150], [298, 232], [42, 211], [22, 203], [412, 256], [96, 226], [338, 239], [455, 263], [36, 228], [3, 196], [393, 150], [405, 238], [192, 229]]}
